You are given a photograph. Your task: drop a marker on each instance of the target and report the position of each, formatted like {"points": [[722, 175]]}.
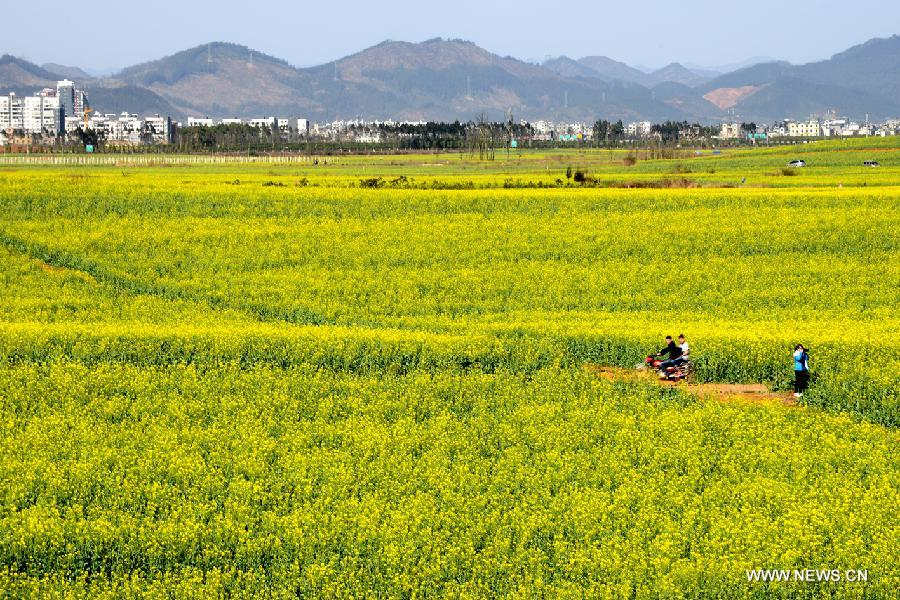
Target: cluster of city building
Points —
{"points": [[52, 114], [45, 112], [547, 131], [812, 128]]}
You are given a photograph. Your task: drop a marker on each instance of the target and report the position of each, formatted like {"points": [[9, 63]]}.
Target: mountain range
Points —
{"points": [[442, 79]]}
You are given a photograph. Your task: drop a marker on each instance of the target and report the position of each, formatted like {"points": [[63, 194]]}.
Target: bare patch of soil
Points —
{"points": [[752, 392], [725, 98]]}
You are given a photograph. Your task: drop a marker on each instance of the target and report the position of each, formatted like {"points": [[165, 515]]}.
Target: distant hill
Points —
{"points": [[687, 100], [65, 72], [457, 79], [129, 98], [435, 79], [749, 76], [790, 96], [873, 67], [676, 73], [222, 80], [609, 69], [454, 79], [567, 67], [22, 77], [25, 78], [863, 79]]}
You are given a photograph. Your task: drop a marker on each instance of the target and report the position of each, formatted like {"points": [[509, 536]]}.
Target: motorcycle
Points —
{"points": [[679, 372]]}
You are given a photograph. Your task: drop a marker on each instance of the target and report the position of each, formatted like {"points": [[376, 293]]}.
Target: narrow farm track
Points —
{"points": [[56, 270], [727, 392]]}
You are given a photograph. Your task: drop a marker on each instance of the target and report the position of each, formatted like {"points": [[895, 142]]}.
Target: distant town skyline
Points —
{"points": [[699, 32]]}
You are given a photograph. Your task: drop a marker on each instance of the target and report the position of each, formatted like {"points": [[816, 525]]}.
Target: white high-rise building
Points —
{"points": [[81, 103], [33, 112], [5, 102], [12, 112], [42, 114], [53, 118]]}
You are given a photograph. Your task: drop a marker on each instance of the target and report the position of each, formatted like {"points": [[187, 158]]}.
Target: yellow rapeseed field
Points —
{"points": [[289, 381]]}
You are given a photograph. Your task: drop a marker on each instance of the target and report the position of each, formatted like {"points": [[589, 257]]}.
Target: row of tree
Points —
{"points": [[481, 137], [412, 136], [668, 132], [604, 131], [676, 131], [231, 137]]}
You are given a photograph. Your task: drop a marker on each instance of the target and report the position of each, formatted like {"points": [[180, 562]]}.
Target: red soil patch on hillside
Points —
{"points": [[727, 97]]}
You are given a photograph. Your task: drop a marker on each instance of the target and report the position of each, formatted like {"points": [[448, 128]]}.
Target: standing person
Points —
{"points": [[801, 370]]}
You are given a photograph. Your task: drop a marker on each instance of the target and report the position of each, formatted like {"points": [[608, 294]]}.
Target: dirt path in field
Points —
{"points": [[54, 270], [752, 392]]}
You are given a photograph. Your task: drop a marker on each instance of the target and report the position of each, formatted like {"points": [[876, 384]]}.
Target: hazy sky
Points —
{"points": [[104, 34]]}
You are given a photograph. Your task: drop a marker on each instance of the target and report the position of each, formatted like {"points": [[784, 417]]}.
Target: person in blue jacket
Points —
{"points": [[801, 370]]}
